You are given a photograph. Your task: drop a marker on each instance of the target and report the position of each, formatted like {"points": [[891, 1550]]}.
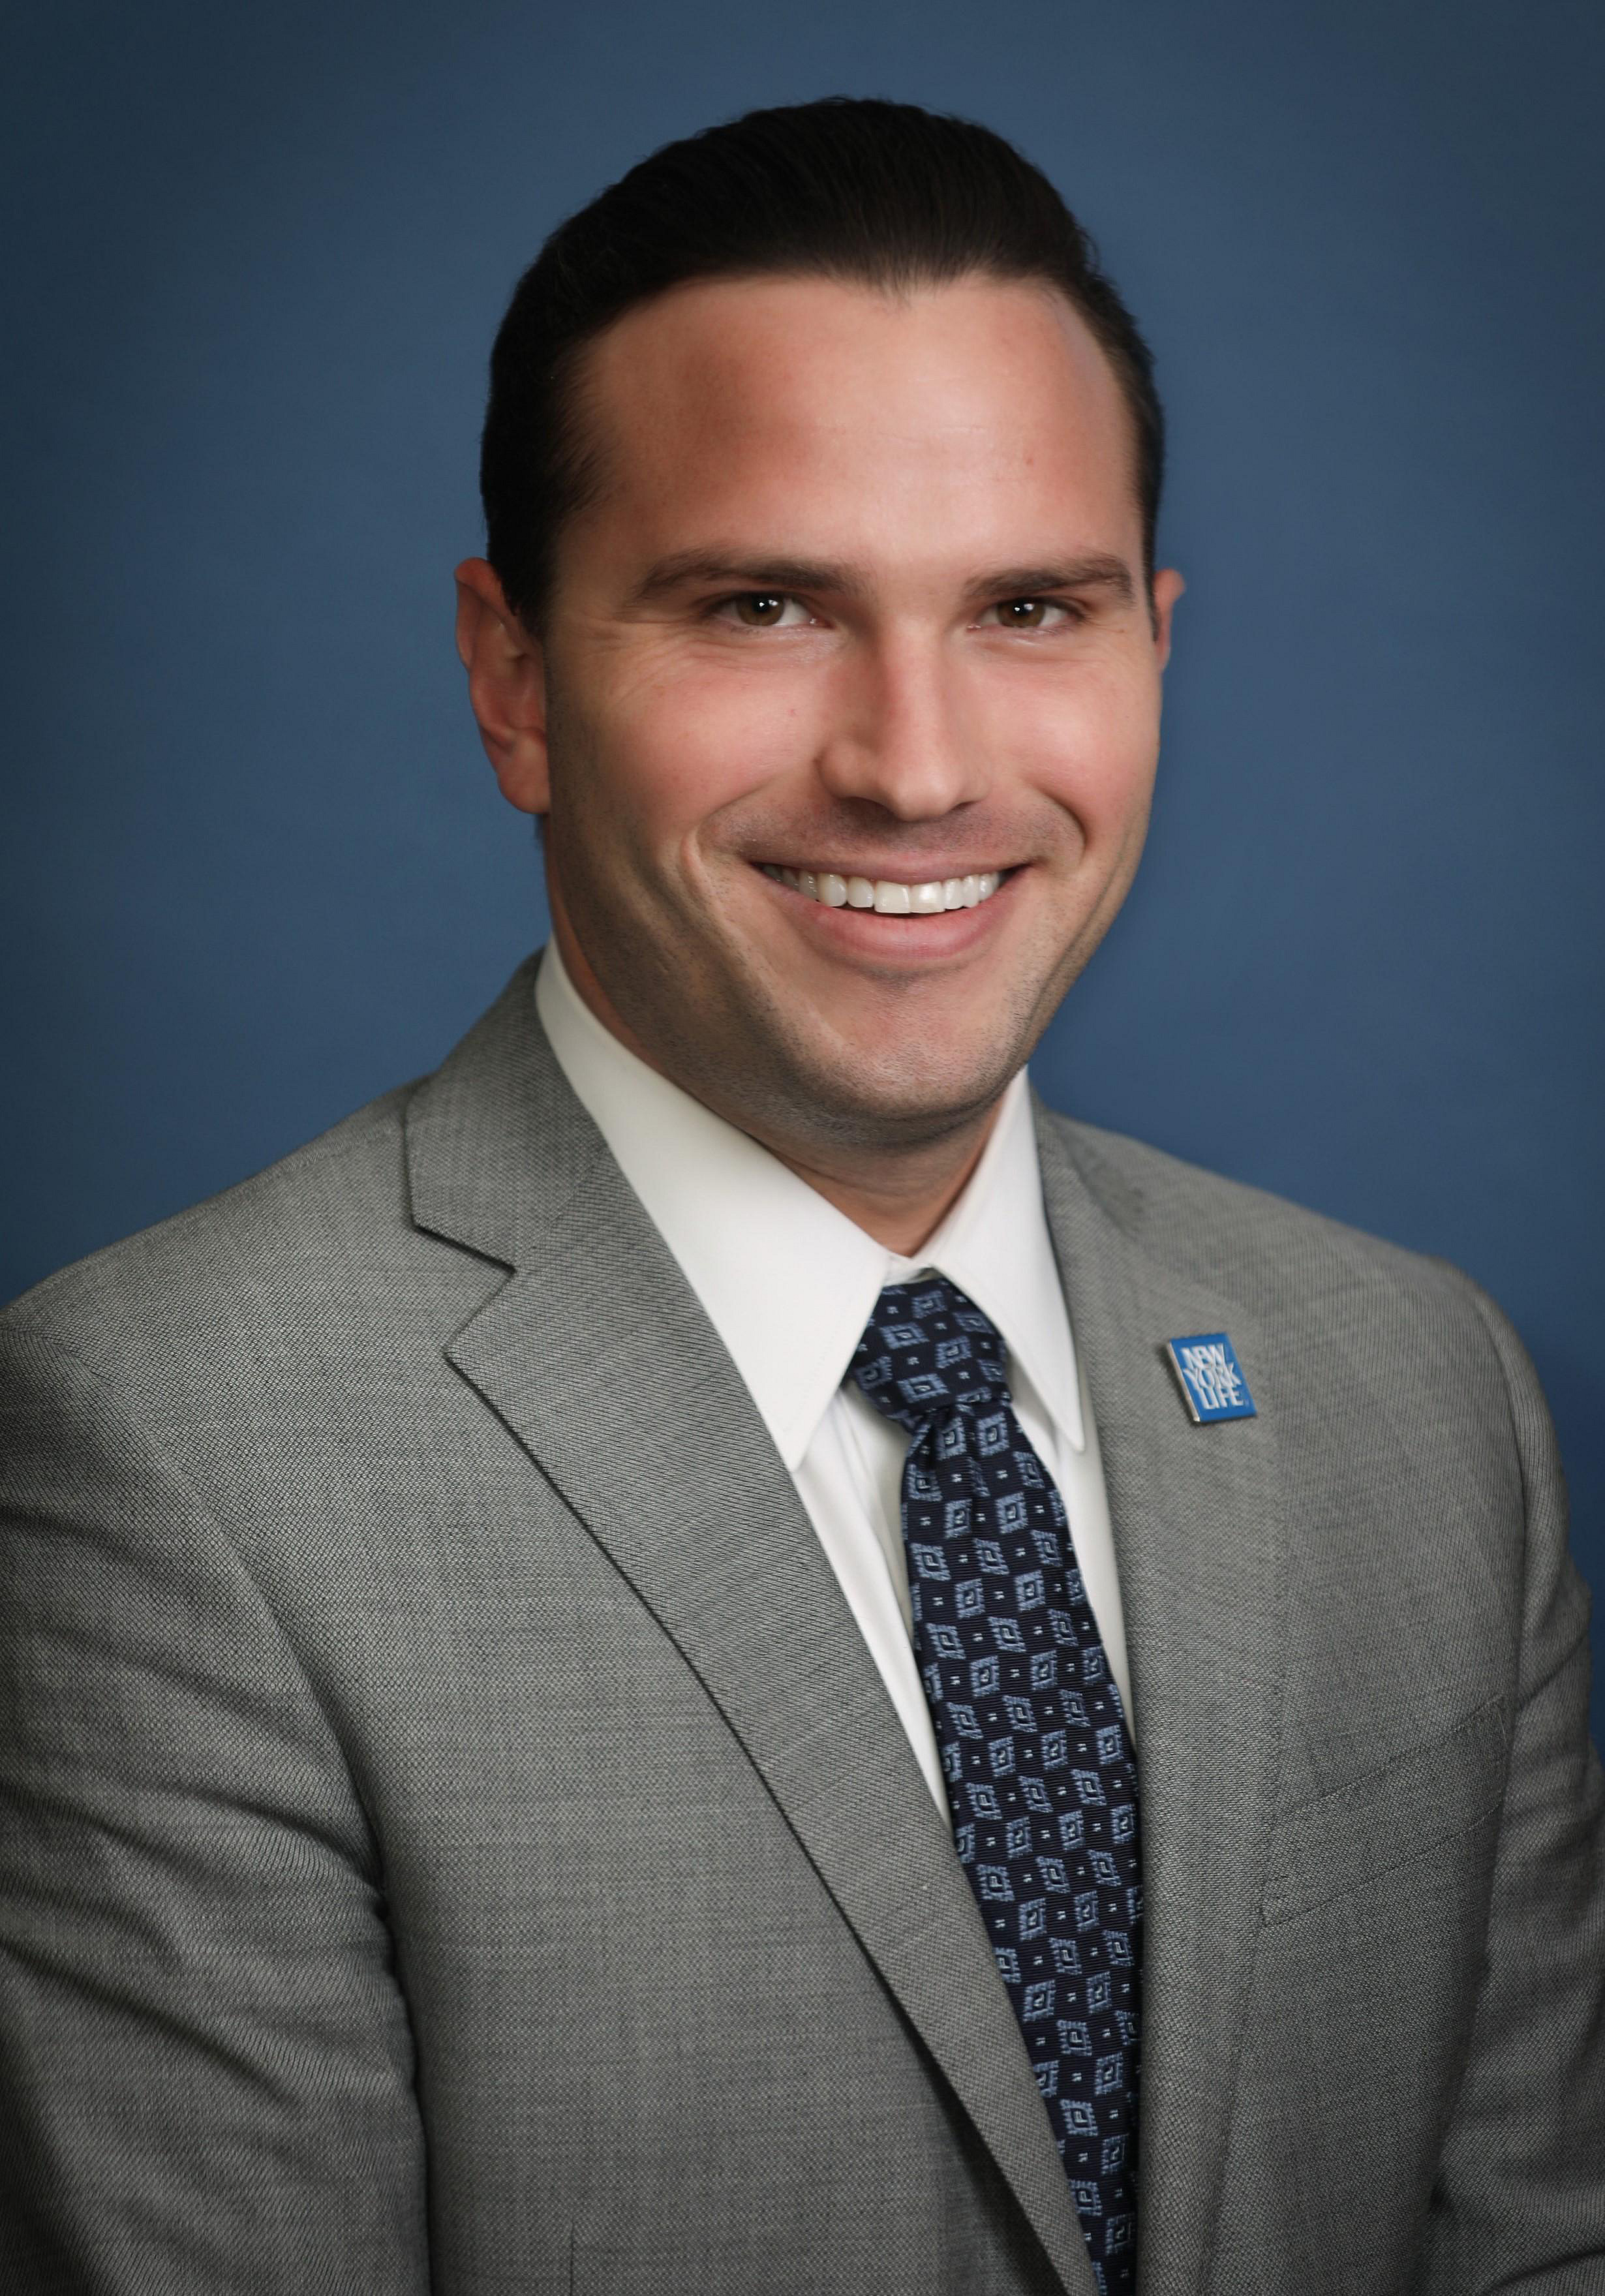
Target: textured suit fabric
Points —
{"points": [[406, 1621]]}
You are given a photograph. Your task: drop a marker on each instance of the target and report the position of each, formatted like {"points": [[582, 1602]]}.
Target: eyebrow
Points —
{"points": [[1096, 571], [683, 567]]}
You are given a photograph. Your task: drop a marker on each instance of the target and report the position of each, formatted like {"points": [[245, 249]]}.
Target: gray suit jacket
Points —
{"points": [[454, 1838]]}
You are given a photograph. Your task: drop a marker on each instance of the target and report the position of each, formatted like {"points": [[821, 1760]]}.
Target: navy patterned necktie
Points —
{"points": [[1035, 1751]]}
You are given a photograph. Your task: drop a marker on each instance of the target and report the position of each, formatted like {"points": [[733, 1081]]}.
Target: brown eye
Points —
{"points": [[1023, 613], [761, 610]]}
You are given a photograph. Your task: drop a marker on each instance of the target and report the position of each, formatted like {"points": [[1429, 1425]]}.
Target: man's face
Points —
{"points": [[859, 604]]}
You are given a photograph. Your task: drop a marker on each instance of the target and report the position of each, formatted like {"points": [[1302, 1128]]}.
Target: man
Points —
{"points": [[709, 1653]]}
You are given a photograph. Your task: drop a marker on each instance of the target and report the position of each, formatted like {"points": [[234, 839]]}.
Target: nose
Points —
{"points": [[899, 737]]}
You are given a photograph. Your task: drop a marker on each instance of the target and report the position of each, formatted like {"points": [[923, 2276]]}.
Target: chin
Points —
{"points": [[894, 1096]]}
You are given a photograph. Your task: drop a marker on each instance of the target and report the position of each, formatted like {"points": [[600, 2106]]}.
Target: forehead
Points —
{"points": [[816, 406]]}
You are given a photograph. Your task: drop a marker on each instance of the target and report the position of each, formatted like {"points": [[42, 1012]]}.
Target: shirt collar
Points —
{"points": [[787, 1281]]}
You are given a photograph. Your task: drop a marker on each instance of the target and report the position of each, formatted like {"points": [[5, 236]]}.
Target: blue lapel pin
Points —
{"points": [[1210, 1376]]}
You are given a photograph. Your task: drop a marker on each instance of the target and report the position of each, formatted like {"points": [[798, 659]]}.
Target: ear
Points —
{"points": [[1168, 587], [506, 686]]}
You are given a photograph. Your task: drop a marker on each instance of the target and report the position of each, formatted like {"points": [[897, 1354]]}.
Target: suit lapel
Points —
{"points": [[600, 1361], [1201, 1535]]}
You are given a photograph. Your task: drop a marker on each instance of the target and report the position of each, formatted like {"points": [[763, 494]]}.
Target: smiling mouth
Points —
{"points": [[888, 896]]}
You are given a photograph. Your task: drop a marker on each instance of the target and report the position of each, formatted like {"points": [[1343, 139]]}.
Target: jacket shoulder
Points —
{"points": [[1274, 1256], [330, 1214], [1361, 1333]]}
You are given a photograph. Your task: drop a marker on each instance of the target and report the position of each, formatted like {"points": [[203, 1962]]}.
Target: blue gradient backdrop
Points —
{"points": [[255, 869]]}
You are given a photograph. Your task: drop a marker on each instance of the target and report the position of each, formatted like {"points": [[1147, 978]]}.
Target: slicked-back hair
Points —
{"points": [[883, 195]]}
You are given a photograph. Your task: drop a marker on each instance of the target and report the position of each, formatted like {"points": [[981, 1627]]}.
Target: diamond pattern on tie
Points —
{"points": [[1039, 1768]]}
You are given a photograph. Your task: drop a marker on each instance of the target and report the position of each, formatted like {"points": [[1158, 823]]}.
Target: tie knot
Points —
{"points": [[928, 1350]]}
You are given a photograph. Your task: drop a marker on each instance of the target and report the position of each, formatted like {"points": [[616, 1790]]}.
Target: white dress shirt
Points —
{"points": [[788, 1282]]}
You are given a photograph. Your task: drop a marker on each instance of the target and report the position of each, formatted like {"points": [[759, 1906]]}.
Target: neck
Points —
{"points": [[898, 1195], [902, 1205]]}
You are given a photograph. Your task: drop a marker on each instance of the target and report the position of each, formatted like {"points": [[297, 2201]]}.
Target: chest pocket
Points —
{"points": [[1393, 1816]]}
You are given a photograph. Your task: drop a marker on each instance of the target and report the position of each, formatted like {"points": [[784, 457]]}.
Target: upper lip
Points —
{"points": [[894, 873]]}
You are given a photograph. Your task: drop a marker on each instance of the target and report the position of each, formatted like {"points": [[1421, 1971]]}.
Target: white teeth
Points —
{"points": [[888, 895]]}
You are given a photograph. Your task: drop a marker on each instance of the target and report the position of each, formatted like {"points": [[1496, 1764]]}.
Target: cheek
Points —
{"points": [[1088, 743], [674, 749]]}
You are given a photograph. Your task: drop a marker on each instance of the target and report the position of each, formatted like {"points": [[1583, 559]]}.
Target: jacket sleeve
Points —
{"points": [[206, 2076], [1519, 2200]]}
